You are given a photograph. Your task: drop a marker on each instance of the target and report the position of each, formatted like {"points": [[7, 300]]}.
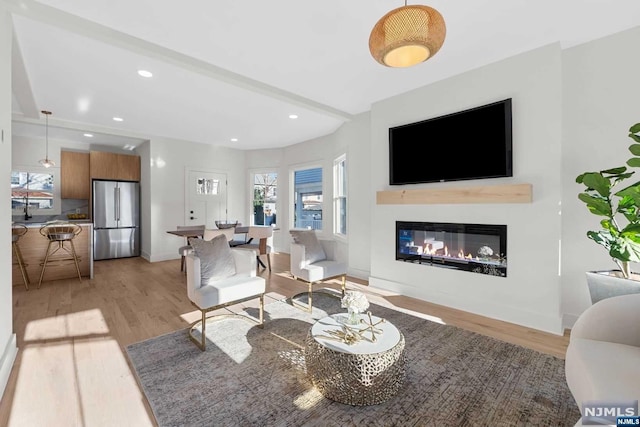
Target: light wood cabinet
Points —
{"points": [[75, 182], [105, 165], [129, 167]]}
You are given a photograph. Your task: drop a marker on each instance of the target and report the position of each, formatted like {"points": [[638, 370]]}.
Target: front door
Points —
{"points": [[206, 197]]}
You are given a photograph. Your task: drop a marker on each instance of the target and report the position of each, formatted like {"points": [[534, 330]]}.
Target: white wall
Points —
{"points": [[530, 295], [28, 150], [600, 103], [168, 160], [7, 337], [144, 151], [351, 138]]}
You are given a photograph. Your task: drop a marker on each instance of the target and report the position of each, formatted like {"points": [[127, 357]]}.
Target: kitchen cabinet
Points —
{"points": [[113, 166], [75, 182], [33, 247]]}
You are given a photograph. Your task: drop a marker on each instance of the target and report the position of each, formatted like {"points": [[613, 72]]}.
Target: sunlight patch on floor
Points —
{"points": [[104, 376], [308, 399], [82, 323], [77, 382], [46, 383]]}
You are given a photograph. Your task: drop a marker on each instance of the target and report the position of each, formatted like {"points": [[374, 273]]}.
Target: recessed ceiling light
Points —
{"points": [[234, 139], [118, 119], [293, 116], [145, 73], [88, 135]]}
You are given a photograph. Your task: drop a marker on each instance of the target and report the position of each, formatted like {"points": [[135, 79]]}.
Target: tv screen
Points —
{"points": [[470, 144]]}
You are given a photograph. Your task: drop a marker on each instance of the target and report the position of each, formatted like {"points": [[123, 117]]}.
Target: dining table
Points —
{"points": [[187, 233], [199, 233]]}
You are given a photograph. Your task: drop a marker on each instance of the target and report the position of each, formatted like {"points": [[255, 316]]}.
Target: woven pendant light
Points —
{"points": [[46, 162], [407, 36]]}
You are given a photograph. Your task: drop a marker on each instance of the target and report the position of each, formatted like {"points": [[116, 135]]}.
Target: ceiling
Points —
{"points": [[226, 70]]}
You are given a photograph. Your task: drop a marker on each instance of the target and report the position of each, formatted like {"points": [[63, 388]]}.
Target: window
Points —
{"points": [[340, 195], [308, 198], [265, 196], [205, 186], [32, 193]]}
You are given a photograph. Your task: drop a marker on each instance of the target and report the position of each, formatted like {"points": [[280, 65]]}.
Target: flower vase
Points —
{"points": [[353, 318]]}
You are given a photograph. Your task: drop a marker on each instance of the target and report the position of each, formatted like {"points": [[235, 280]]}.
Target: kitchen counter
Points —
{"points": [[33, 247], [36, 224]]}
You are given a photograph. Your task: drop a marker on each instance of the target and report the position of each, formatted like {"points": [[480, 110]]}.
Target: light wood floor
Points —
{"points": [[72, 368]]}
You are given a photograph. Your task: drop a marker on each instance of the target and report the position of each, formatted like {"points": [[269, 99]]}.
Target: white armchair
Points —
{"points": [[212, 294], [604, 350], [302, 268]]}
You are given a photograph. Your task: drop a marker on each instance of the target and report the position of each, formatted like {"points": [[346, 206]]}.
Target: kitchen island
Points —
{"points": [[33, 247]]}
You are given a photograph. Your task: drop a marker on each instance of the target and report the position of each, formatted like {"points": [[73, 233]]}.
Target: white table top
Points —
{"points": [[388, 339]]}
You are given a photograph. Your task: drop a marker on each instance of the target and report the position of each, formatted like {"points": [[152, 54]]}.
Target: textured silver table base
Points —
{"points": [[355, 379]]}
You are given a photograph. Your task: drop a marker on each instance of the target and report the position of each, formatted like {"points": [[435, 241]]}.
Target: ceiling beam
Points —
{"points": [[80, 127], [66, 21], [20, 84]]}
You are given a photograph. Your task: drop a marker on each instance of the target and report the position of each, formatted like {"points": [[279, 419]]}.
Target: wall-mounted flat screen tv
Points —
{"points": [[470, 144]]}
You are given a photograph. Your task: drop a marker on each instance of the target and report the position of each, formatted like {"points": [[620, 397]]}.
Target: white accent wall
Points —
{"points": [[530, 295]]}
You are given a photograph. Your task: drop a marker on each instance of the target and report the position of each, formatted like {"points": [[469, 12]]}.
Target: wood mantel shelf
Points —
{"points": [[509, 193]]}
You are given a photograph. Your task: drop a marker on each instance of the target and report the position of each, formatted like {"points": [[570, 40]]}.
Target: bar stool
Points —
{"points": [[60, 233], [17, 231]]}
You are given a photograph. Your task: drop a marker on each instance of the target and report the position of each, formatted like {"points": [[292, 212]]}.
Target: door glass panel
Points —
{"points": [[205, 186]]}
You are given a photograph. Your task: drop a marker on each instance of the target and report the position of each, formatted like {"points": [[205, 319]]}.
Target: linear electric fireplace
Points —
{"points": [[478, 248]]}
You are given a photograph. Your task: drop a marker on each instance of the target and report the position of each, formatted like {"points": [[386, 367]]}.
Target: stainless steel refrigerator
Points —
{"points": [[116, 219]]}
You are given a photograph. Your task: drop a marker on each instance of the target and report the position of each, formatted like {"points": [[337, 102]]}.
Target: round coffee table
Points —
{"points": [[365, 373]]}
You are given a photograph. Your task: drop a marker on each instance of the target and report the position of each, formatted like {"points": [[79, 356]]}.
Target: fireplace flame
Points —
{"points": [[428, 249]]}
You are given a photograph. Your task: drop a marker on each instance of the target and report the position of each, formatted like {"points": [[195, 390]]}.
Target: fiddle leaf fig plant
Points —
{"points": [[620, 232]]}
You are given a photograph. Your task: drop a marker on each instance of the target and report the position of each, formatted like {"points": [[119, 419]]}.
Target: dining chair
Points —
{"points": [[258, 240], [184, 250]]}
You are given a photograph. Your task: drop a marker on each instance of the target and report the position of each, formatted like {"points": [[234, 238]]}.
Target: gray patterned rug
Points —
{"points": [[256, 377]]}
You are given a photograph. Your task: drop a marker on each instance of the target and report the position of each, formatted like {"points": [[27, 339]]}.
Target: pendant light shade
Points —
{"points": [[46, 162], [407, 36]]}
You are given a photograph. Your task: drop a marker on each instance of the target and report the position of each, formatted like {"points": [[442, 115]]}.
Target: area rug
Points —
{"points": [[256, 377]]}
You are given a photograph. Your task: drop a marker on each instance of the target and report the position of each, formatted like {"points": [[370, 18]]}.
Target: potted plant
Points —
{"points": [[620, 232]]}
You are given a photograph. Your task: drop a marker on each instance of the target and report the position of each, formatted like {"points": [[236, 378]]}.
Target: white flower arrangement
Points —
{"points": [[356, 301], [485, 251]]}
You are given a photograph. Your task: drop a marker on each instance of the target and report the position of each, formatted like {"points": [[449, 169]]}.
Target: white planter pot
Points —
{"points": [[610, 283]]}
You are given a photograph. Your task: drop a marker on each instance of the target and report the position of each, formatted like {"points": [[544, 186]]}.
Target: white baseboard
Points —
{"points": [[167, 256], [568, 320], [6, 364], [358, 273], [491, 309]]}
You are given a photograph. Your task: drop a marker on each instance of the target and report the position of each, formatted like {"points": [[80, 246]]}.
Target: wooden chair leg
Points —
{"points": [[75, 259], [344, 284], [44, 264], [269, 261]]}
